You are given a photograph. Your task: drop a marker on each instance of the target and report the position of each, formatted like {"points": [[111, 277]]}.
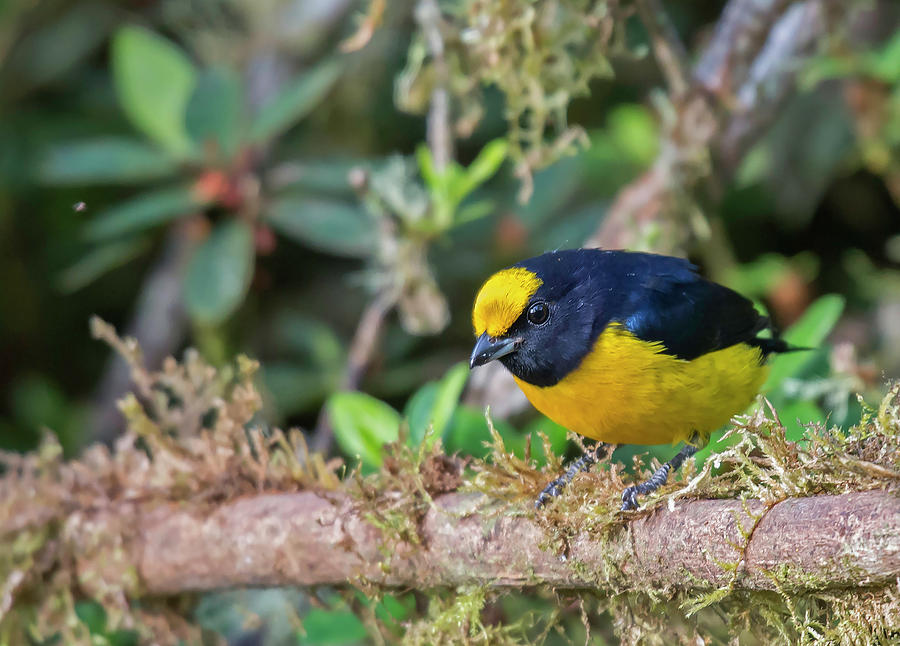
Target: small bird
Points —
{"points": [[624, 348]]}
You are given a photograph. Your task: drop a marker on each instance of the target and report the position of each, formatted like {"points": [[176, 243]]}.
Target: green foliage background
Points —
{"points": [[302, 192]]}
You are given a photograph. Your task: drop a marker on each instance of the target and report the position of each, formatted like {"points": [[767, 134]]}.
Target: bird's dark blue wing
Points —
{"points": [[670, 303], [656, 298]]}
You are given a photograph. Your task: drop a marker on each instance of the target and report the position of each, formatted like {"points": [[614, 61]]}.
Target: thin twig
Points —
{"points": [[362, 348], [440, 135], [365, 340], [668, 49]]}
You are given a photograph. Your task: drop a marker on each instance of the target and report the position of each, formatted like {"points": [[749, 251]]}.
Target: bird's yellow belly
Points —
{"points": [[627, 391]]}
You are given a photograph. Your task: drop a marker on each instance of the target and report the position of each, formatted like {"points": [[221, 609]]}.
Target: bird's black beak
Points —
{"points": [[488, 348]]}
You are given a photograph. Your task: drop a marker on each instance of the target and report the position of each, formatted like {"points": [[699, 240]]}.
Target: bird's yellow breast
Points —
{"points": [[628, 391]]}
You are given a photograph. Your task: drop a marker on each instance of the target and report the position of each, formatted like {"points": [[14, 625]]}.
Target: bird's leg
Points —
{"points": [[658, 479], [584, 463]]}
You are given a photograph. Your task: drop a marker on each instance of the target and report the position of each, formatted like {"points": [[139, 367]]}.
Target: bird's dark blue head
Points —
{"points": [[539, 317]]}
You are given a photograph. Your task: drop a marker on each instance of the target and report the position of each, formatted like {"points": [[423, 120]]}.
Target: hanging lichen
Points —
{"points": [[540, 54]]}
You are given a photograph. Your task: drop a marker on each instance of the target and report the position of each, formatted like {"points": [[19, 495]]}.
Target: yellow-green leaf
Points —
{"points": [[154, 80]]}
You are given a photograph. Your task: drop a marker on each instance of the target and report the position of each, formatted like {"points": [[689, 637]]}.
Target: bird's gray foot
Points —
{"points": [[584, 463], [659, 477]]}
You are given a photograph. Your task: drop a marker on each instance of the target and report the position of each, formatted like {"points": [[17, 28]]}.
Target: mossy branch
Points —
{"points": [[196, 495], [801, 545]]}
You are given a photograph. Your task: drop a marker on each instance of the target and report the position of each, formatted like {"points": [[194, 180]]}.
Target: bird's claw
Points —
{"points": [[629, 498], [550, 492]]}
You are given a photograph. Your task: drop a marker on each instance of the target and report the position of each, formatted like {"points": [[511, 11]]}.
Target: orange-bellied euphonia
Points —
{"points": [[624, 348]]}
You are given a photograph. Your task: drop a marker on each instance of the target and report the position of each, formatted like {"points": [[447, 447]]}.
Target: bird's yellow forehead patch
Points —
{"points": [[502, 299]]}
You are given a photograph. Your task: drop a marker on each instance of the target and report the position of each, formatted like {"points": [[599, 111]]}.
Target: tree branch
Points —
{"points": [[667, 46], [800, 544]]}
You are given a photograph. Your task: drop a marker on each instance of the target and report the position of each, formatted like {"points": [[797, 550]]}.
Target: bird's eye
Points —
{"points": [[538, 313]]}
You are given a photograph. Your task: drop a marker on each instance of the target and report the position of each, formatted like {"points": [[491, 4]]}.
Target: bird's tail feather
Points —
{"points": [[768, 346]]}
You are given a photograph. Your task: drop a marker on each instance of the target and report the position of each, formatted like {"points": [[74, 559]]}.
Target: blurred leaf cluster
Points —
{"points": [[199, 155]]}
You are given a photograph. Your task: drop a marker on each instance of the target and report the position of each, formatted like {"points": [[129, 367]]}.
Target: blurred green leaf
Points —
{"points": [[450, 187], [755, 166], [332, 226], [295, 101], [757, 278], [109, 160], [154, 81], [635, 132], [884, 64], [434, 404], [297, 389], [100, 260], [474, 211], [554, 186], [124, 637], [468, 433], [143, 212], [36, 403], [362, 424], [449, 389], [60, 45], [219, 273], [433, 180], [214, 111], [824, 68], [808, 332], [557, 435], [92, 615], [482, 168], [316, 175], [332, 628], [418, 411], [392, 609], [795, 414], [616, 154], [312, 341]]}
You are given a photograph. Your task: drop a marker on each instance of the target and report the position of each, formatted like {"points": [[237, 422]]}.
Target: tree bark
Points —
{"points": [[850, 540]]}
